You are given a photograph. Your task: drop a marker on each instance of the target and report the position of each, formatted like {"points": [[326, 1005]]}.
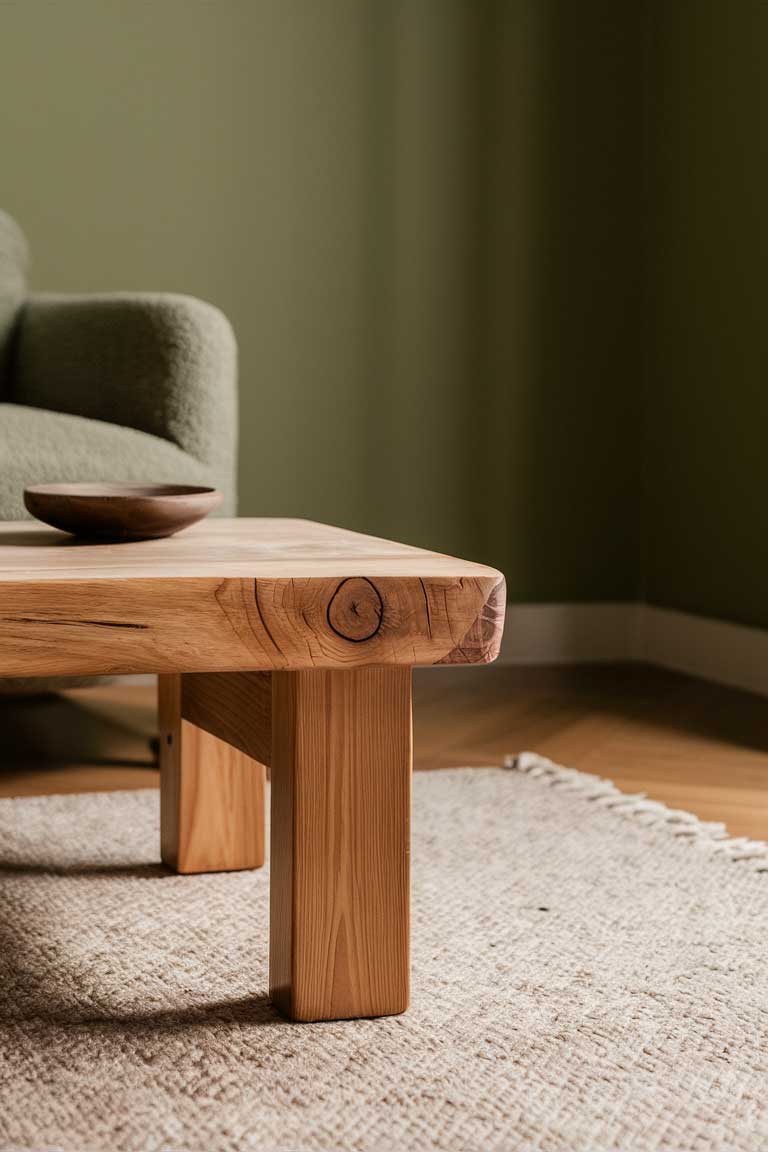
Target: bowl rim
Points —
{"points": [[89, 490]]}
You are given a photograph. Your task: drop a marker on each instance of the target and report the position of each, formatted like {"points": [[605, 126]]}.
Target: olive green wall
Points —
{"points": [[564, 298], [707, 413], [420, 216]]}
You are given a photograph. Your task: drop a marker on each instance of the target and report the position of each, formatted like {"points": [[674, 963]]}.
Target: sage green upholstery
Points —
{"points": [[119, 387], [163, 365], [39, 446], [125, 386]]}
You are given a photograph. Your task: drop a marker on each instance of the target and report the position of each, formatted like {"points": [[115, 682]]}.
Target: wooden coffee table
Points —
{"points": [[282, 643]]}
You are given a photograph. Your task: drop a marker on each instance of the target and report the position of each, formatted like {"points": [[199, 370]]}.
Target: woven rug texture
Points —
{"points": [[589, 972]]}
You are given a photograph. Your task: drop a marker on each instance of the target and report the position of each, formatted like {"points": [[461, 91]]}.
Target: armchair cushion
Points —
{"points": [[38, 446], [162, 364], [13, 287]]}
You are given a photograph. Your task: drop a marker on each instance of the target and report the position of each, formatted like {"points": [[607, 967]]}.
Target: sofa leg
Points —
{"points": [[211, 795]]}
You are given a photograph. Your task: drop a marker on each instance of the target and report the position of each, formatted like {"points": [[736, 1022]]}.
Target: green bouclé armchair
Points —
{"points": [[128, 386]]}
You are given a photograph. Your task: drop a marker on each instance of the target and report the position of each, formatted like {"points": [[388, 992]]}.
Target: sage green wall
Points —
{"points": [[417, 213], [565, 296], [707, 474]]}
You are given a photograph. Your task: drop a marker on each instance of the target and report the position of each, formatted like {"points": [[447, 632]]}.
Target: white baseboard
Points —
{"points": [[592, 633], [570, 633], [712, 649]]}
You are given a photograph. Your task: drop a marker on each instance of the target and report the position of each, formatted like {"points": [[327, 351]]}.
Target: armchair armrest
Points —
{"points": [[162, 363]]}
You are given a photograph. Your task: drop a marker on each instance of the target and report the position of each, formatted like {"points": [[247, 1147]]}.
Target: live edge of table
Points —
{"points": [[283, 644]]}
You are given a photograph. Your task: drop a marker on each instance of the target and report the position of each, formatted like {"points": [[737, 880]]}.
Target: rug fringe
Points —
{"points": [[707, 834]]}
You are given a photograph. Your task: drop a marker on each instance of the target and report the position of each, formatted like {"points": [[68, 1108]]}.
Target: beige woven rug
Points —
{"points": [[589, 973]]}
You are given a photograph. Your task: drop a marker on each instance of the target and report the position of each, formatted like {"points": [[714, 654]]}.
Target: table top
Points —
{"points": [[221, 548], [238, 595]]}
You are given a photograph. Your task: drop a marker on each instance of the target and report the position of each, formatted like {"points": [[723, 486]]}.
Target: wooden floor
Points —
{"points": [[693, 745]]}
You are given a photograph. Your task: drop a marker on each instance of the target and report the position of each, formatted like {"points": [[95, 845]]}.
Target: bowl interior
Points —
{"points": [[118, 491]]}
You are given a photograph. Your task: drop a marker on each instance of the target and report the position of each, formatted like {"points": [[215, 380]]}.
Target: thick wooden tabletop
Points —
{"points": [[238, 594]]}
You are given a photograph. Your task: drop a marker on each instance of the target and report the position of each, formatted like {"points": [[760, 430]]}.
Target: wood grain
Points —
{"points": [[340, 843], [481, 643], [114, 627], [211, 795], [235, 706], [238, 595], [221, 549]]}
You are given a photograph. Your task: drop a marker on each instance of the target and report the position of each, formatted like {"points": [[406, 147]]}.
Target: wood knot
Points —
{"points": [[356, 610]]}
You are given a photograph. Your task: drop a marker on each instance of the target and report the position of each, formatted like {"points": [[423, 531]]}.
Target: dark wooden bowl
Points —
{"points": [[120, 511]]}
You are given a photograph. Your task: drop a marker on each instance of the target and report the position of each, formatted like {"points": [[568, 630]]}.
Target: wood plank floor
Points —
{"points": [[693, 745]]}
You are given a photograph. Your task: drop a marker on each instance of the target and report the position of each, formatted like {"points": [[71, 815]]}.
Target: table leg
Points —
{"points": [[339, 887], [211, 794]]}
